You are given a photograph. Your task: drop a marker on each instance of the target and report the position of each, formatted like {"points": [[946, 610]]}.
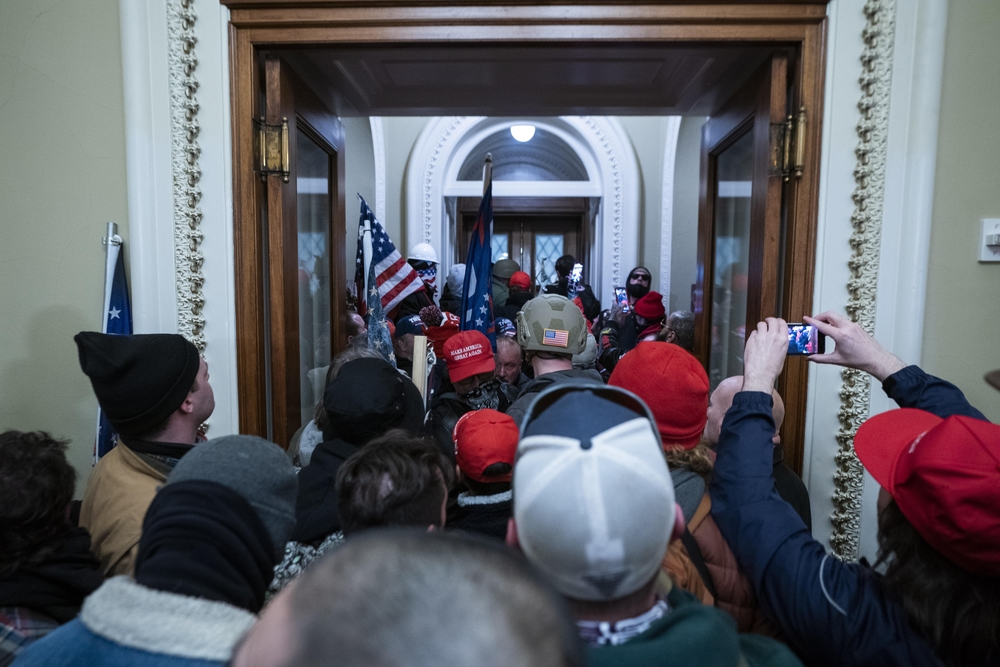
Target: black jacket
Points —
{"points": [[450, 303], [448, 409], [485, 515], [543, 382], [316, 514], [515, 302], [614, 341]]}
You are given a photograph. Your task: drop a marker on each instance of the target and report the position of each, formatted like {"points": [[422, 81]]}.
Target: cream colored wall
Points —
{"points": [[962, 321], [683, 255], [359, 178], [400, 133], [62, 130]]}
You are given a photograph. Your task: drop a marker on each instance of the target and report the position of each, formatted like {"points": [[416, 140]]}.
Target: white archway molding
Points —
{"points": [[667, 197], [601, 143]]}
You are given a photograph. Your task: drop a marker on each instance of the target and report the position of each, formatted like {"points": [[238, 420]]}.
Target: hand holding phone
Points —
{"points": [[621, 298]]}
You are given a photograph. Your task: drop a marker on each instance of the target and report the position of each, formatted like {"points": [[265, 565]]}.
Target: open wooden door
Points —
{"points": [[748, 168], [285, 350]]}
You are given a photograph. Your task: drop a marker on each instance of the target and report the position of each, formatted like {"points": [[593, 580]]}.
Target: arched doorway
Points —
{"points": [[583, 175]]}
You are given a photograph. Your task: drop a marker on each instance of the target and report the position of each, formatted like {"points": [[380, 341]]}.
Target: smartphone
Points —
{"points": [[576, 278], [805, 339], [621, 296]]}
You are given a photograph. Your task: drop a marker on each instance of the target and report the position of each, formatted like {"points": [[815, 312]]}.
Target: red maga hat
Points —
{"points": [[482, 438], [468, 353], [944, 475]]}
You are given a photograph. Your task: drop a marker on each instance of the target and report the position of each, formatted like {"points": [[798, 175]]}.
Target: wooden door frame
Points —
{"points": [[257, 24]]}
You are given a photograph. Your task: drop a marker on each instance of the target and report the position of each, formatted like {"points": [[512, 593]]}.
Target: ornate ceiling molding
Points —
{"points": [[186, 172], [868, 196]]}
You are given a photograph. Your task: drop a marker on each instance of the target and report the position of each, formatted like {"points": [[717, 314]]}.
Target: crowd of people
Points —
{"points": [[578, 494]]}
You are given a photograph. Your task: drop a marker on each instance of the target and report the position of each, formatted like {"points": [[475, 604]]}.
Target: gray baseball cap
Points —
{"points": [[593, 497]]}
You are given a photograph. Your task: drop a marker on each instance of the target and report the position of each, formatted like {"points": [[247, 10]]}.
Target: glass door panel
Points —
{"points": [[313, 214], [731, 232]]}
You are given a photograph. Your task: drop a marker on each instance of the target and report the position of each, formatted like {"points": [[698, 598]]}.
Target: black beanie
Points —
{"points": [[139, 380], [367, 398]]}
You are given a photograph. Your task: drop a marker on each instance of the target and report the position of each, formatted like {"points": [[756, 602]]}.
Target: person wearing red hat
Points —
{"points": [[519, 293], [485, 444], [471, 366], [620, 335], [936, 597], [675, 387]]}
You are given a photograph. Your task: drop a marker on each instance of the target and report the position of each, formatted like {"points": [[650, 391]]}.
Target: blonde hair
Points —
{"points": [[698, 459]]}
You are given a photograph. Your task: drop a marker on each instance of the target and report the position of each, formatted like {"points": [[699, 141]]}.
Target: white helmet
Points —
{"points": [[425, 252]]}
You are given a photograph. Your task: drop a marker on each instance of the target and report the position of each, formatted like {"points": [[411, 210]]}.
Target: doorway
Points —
{"points": [[492, 59], [534, 232]]}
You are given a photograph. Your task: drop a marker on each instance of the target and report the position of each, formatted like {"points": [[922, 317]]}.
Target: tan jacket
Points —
{"points": [[735, 594], [119, 492]]}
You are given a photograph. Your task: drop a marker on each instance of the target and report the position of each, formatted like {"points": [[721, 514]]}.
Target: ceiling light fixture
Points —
{"points": [[522, 132]]}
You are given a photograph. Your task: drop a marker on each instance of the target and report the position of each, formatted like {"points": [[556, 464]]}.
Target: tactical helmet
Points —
{"points": [[551, 323], [505, 268], [425, 252]]}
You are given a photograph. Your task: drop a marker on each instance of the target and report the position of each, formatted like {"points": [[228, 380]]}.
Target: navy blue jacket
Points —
{"points": [[831, 612]]}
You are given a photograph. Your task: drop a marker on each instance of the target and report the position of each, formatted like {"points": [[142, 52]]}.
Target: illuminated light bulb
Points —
{"points": [[522, 132]]}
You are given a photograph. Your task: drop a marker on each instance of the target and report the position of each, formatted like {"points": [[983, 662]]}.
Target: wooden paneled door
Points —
{"points": [[743, 223], [300, 285]]}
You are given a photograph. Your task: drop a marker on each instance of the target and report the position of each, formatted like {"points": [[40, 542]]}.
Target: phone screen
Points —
{"points": [[805, 339], [621, 296], [576, 277]]}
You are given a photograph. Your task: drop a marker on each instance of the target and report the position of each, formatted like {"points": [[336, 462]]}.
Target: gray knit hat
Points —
{"points": [[254, 468]]}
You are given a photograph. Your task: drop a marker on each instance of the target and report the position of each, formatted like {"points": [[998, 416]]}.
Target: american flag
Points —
{"points": [[555, 337], [118, 321], [477, 299], [394, 278]]}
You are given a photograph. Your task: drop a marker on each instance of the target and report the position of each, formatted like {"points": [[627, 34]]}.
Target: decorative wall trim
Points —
{"points": [[667, 212], [868, 196], [186, 172], [600, 142], [378, 146]]}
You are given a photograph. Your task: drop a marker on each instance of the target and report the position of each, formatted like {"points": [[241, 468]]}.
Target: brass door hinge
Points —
{"points": [[793, 146], [272, 149]]}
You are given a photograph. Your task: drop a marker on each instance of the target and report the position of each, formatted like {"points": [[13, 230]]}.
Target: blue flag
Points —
{"points": [[477, 300], [117, 321]]}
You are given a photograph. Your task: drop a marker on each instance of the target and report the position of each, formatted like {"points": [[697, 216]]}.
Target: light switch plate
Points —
{"points": [[988, 253]]}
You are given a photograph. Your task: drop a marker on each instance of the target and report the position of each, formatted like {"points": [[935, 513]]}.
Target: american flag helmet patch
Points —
{"points": [[556, 338]]}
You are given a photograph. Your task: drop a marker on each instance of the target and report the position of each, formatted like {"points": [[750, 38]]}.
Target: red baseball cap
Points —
{"points": [[482, 438], [673, 384], [468, 353], [520, 279], [944, 475], [650, 306]]}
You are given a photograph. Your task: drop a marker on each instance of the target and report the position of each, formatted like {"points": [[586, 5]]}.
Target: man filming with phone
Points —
{"points": [[630, 322], [935, 599]]}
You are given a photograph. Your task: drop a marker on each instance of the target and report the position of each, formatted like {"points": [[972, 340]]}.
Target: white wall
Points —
{"points": [[62, 178], [684, 252]]}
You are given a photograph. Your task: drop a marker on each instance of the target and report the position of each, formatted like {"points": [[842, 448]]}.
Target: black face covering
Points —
{"points": [[638, 290], [204, 540], [486, 395]]}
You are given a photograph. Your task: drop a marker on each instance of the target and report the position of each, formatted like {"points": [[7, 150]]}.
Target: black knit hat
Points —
{"points": [[368, 398], [139, 380]]}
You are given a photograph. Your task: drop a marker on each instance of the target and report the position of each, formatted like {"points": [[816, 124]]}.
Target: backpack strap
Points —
{"points": [[694, 553]]}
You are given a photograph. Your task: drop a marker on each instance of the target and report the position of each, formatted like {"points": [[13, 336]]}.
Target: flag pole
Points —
{"points": [[487, 173], [113, 243], [366, 245]]}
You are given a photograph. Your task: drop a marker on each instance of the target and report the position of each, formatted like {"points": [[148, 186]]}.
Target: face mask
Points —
{"points": [[486, 395], [637, 290]]}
